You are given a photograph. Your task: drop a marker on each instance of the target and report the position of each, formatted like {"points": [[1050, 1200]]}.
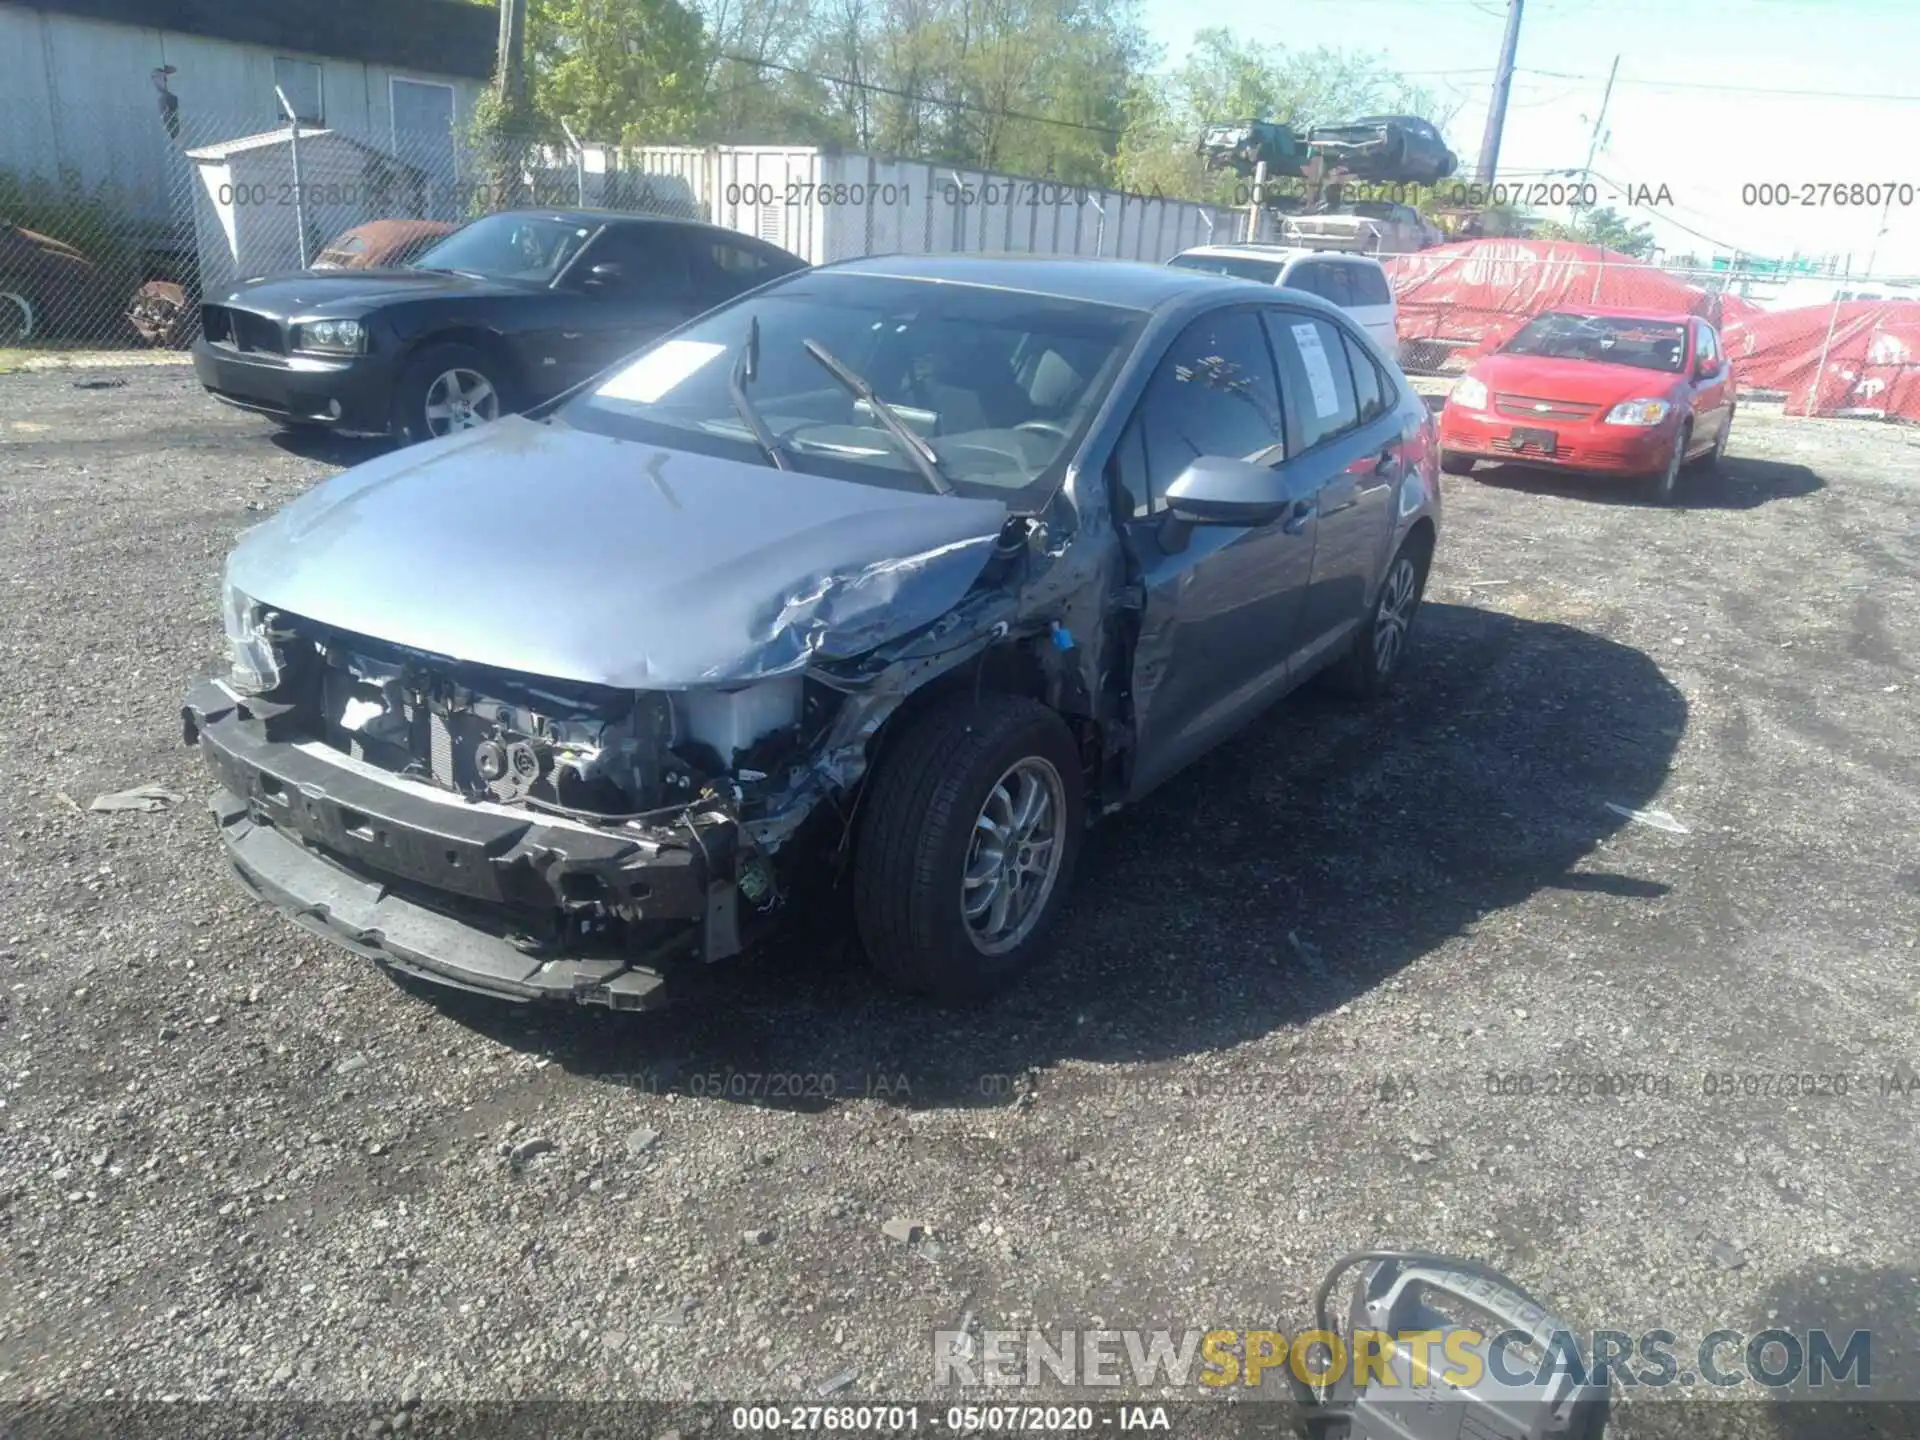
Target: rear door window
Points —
{"points": [[1369, 386], [1314, 370]]}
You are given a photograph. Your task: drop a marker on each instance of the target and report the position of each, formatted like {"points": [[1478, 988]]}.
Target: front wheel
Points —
{"points": [[1456, 464], [446, 389], [969, 830], [1380, 645], [1664, 487]]}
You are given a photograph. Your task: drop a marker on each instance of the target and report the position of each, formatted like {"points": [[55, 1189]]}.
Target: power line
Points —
{"points": [[1668, 219], [978, 109], [935, 100], [1734, 89]]}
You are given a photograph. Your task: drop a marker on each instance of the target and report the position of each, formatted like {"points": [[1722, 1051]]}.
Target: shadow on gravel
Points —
{"points": [[330, 448], [1838, 1302], [1738, 484], [1281, 876]]}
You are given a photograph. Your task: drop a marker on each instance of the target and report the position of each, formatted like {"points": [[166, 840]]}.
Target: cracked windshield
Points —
{"points": [[983, 717]]}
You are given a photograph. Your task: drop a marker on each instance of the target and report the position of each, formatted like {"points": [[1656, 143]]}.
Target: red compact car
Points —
{"points": [[1614, 392]]}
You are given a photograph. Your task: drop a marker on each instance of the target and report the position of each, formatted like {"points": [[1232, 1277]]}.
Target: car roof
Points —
{"points": [[1281, 253], [589, 216], [1622, 312], [1131, 284]]}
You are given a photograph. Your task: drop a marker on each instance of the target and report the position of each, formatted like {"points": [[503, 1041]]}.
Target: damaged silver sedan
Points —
{"points": [[889, 575]]}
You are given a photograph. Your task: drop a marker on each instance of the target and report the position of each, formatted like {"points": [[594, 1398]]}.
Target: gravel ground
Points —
{"points": [[235, 1162]]}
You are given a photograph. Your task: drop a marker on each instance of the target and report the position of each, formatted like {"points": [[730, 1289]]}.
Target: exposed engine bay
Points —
{"points": [[573, 749]]}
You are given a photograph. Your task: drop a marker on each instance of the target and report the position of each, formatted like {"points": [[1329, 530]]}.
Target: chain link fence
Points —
{"points": [[1821, 346], [110, 233]]}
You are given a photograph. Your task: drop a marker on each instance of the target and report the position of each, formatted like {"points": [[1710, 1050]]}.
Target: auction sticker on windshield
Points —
{"points": [[1326, 400], [658, 371]]}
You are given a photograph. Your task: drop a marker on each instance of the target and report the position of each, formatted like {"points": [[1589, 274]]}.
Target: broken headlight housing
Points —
{"points": [[251, 643]]}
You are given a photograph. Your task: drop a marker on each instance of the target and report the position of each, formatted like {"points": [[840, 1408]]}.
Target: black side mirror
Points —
{"points": [[1214, 490], [609, 273]]}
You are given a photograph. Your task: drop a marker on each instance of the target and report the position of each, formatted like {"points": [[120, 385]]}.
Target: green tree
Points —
{"points": [[617, 71], [1603, 226]]}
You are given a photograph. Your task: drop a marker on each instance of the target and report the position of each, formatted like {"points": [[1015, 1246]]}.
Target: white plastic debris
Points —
{"points": [[1658, 819], [147, 798]]}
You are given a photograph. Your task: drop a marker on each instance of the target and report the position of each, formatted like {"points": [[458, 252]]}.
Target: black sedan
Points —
{"points": [[502, 314]]}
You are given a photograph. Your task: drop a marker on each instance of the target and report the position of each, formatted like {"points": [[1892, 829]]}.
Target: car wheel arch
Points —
{"points": [[1008, 667], [490, 343], [1424, 533]]}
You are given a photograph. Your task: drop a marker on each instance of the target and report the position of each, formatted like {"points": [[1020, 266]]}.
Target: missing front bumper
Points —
{"points": [[447, 891]]}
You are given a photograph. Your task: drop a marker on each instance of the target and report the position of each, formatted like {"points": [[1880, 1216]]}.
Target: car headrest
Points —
{"points": [[1055, 382]]}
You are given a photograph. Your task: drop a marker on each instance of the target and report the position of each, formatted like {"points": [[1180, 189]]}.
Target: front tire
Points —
{"points": [[970, 827], [1664, 487], [1380, 646], [1456, 464], [446, 389]]}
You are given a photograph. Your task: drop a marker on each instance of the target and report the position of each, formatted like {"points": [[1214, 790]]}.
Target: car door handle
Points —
{"points": [[1298, 517], [1384, 462]]}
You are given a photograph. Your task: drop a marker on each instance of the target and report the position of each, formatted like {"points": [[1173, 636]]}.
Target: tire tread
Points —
{"points": [[910, 806]]}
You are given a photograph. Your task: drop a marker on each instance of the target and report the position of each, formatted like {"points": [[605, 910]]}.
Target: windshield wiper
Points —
{"points": [[918, 451], [746, 365]]}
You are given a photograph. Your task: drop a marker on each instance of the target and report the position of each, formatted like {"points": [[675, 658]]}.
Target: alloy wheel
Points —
{"points": [[1398, 596], [1014, 856], [460, 399]]}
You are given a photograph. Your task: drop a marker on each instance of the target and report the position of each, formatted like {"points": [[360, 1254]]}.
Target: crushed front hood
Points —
{"points": [[551, 551]]}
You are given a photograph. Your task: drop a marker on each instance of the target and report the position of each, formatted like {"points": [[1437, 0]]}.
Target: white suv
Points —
{"points": [[1355, 283]]}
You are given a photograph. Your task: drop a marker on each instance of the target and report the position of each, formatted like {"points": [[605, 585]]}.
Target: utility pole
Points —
{"points": [[512, 65], [1879, 235], [1502, 83], [1259, 199], [509, 137], [1593, 146]]}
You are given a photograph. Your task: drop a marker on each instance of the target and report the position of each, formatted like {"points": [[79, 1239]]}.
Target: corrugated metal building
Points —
{"points": [[86, 86]]}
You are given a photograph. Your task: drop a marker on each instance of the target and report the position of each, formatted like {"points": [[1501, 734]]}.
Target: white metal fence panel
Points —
{"points": [[873, 206]]}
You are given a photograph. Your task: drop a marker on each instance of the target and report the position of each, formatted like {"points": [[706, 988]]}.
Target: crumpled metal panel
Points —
{"points": [[551, 551]]}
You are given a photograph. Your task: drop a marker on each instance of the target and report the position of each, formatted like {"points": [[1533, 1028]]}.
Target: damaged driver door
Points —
{"points": [[1221, 597]]}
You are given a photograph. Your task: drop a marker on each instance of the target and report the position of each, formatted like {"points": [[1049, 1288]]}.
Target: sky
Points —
{"points": [[1713, 96]]}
